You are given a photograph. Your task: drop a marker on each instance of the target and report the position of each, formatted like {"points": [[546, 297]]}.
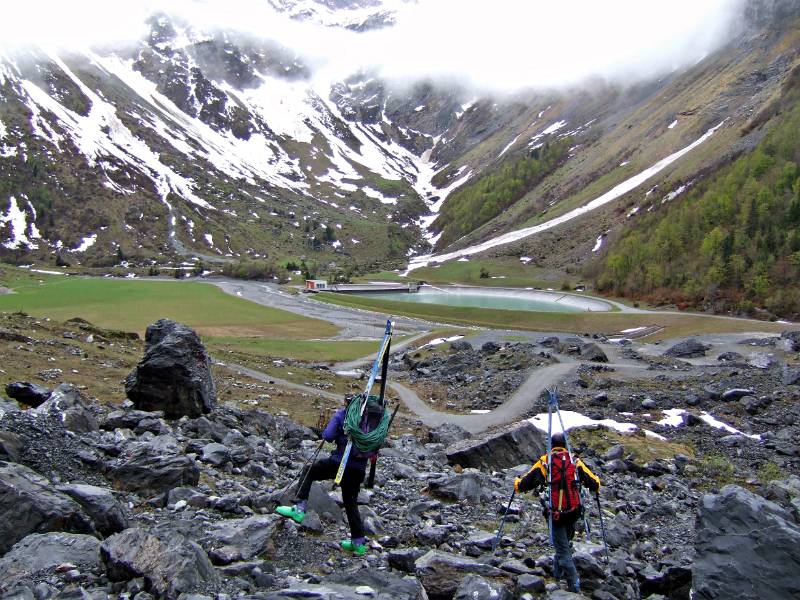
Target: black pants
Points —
{"points": [[351, 484]]}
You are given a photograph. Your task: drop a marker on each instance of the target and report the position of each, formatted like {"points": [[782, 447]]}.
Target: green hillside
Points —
{"points": [[733, 242]]}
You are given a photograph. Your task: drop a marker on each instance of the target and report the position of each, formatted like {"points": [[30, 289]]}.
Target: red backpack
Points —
{"points": [[565, 494]]}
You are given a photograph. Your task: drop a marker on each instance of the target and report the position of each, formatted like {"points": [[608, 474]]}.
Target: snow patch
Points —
{"points": [[574, 420], [86, 243], [17, 221], [598, 243], [673, 124], [511, 143], [209, 239]]}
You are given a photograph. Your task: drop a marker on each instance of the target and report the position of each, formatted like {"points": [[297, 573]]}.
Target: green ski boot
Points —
{"points": [[357, 549], [291, 512]]}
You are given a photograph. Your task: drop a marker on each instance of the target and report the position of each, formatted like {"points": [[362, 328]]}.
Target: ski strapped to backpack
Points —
{"points": [[574, 496], [369, 441]]}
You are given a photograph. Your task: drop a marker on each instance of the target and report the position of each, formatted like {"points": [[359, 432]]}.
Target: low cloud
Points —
{"points": [[490, 46]]}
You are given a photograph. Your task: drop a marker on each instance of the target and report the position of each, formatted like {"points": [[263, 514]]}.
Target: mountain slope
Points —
{"points": [[220, 145]]}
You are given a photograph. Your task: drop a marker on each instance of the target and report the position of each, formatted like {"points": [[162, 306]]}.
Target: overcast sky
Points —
{"points": [[490, 45]]}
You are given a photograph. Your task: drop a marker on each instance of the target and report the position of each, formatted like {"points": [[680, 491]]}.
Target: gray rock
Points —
{"points": [[403, 559], [170, 565], [175, 373], [11, 445], [29, 504], [470, 485], [147, 470], [433, 535], [746, 547], [403, 471], [448, 434], [689, 348], [235, 540], [761, 361], [100, 505], [490, 348], [128, 419], [593, 353], [790, 376], [736, 393], [615, 452], [794, 337], [29, 394], [68, 405], [8, 407], [529, 584], [648, 403], [385, 585], [730, 357], [216, 454], [507, 447], [619, 531], [44, 551], [441, 573], [475, 587]]}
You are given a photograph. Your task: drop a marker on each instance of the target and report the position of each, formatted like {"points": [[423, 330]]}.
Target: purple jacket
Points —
{"points": [[334, 432]]}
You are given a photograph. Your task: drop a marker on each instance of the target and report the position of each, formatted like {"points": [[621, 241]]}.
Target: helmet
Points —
{"points": [[558, 440]]}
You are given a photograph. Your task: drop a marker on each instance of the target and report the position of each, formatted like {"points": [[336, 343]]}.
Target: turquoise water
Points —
{"points": [[467, 299]]}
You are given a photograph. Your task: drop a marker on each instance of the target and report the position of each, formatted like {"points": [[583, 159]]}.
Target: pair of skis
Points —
{"points": [[381, 364]]}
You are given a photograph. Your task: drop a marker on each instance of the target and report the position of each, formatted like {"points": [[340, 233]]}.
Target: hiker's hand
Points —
{"points": [[517, 481]]}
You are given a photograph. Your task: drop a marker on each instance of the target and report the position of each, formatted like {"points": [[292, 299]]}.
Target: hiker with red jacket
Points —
{"points": [[325, 469], [565, 500]]}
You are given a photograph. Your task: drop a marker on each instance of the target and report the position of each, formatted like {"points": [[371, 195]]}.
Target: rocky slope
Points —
{"points": [[119, 502]]}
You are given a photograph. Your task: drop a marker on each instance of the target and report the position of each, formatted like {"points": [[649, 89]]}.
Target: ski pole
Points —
{"points": [[304, 471], [602, 525], [503, 522], [374, 461]]}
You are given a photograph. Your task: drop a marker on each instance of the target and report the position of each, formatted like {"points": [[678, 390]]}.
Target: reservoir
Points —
{"points": [[503, 298]]}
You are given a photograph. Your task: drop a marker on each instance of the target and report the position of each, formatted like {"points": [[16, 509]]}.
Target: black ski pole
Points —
{"points": [[503, 522], [602, 525], [304, 471]]}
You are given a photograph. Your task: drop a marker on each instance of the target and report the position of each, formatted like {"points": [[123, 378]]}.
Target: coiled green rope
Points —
{"points": [[365, 441]]}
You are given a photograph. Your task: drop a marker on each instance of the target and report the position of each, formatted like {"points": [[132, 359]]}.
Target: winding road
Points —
{"points": [[364, 324]]}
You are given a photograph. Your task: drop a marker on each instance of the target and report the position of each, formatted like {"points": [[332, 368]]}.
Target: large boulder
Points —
{"points": [[29, 504], [520, 443], [45, 551], [688, 348], [69, 406], [448, 434], [241, 539], [146, 469], [100, 505], [170, 564], [746, 548], [27, 393], [175, 374], [593, 353], [441, 573]]}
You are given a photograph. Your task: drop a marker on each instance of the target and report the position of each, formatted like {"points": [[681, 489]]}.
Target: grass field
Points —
{"points": [[675, 325], [132, 305], [305, 350]]}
